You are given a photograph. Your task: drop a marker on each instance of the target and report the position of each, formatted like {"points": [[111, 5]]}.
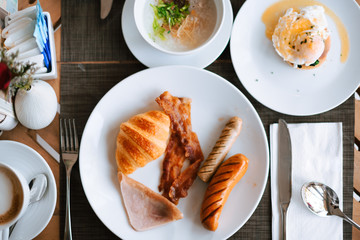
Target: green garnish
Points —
{"points": [[158, 30], [168, 15], [315, 63]]}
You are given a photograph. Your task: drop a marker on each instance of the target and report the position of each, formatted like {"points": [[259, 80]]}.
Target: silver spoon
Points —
{"points": [[323, 201], [38, 186]]}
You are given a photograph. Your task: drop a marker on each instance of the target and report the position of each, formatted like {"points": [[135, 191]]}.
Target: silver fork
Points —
{"points": [[69, 153]]}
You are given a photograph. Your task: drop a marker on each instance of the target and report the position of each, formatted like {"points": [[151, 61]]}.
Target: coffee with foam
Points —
{"points": [[11, 197]]}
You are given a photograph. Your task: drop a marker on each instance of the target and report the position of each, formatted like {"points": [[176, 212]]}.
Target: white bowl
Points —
{"points": [[144, 16]]}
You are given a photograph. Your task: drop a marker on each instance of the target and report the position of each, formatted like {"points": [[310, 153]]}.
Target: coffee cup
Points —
{"points": [[14, 198]]}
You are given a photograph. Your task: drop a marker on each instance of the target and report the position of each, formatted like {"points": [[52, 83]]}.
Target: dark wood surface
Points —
{"points": [[95, 57]]}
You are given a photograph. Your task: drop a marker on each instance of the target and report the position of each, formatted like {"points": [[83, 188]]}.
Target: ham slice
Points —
{"points": [[145, 208]]}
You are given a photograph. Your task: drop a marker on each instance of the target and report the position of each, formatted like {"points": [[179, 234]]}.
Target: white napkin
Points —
{"points": [[316, 156]]}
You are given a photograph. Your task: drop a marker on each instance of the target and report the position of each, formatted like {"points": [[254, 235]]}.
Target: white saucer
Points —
{"points": [[152, 57], [30, 163]]}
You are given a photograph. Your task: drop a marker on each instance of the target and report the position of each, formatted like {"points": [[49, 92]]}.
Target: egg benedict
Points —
{"points": [[302, 37]]}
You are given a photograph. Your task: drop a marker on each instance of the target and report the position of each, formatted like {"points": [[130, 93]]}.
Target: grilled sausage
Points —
{"points": [[220, 186], [221, 148]]}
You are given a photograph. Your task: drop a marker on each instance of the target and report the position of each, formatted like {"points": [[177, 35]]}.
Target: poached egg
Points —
{"points": [[299, 37]]}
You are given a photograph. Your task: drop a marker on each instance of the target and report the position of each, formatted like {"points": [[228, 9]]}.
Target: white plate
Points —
{"points": [[285, 89], [214, 101], [30, 163], [152, 57]]}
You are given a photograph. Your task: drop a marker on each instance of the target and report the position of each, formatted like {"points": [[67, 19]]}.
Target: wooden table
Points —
{"points": [[51, 133]]}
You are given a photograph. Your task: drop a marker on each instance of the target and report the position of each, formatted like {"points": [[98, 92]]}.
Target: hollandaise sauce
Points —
{"points": [[272, 14]]}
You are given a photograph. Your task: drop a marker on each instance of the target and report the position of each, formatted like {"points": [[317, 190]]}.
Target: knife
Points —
{"points": [[105, 8], [284, 172]]}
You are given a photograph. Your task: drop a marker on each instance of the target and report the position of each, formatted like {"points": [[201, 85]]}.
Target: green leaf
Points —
{"points": [[315, 63]]}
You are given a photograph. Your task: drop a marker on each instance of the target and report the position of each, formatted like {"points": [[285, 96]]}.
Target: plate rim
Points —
{"points": [[191, 68]]}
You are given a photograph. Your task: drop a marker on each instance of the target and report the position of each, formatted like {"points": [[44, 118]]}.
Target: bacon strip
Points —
{"points": [[183, 145], [172, 164]]}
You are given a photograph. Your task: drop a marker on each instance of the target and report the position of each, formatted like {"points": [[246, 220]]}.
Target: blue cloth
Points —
{"points": [[41, 35]]}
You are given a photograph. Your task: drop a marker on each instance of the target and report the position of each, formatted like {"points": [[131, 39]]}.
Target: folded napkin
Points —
{"points": [[316, 156]]}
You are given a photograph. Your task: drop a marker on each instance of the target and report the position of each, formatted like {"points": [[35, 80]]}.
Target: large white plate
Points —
{"points": [[214, 101], [30, 163], [282, 88], [152, 57]]}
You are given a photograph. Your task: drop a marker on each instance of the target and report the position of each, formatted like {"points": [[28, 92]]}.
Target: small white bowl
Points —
{"points": [[144, 16]]}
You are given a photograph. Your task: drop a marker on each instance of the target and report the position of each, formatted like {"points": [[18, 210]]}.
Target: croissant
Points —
{"points": [[142, 139]]}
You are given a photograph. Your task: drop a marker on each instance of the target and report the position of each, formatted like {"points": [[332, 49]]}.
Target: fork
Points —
{"points": [[69, 154]]}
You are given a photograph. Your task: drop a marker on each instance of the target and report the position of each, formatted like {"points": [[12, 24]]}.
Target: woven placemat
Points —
{"points": [[86, 38]]}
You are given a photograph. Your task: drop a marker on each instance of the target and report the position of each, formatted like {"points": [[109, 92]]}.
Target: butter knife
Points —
{"points": [[105, 8], [284, 172]]}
